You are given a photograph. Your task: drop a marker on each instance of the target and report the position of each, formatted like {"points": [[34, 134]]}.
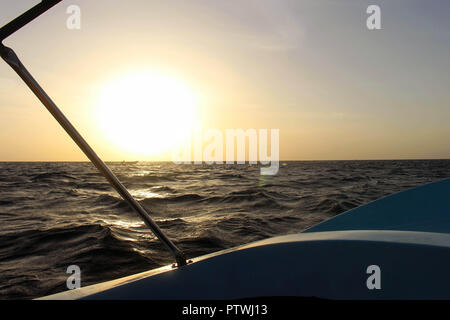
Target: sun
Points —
{"points": [[146, 113]]}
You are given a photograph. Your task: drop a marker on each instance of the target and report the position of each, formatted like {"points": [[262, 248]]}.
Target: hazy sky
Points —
{"points": [[312, 69]]}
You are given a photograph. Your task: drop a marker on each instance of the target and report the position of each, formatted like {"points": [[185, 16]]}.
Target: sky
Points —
{"points": [[312, 69]]}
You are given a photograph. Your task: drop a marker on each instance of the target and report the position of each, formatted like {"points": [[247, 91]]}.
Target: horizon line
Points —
{"points": [[224, 163]]}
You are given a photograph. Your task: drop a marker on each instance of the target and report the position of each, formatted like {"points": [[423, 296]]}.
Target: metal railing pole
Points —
{"points": [[11, 58], [26, 17]]}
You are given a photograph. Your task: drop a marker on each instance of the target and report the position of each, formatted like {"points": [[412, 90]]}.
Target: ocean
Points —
{"points": [[57, 214]]}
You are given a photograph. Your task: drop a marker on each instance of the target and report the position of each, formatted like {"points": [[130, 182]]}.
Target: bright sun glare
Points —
{"points": [[146, 113]]}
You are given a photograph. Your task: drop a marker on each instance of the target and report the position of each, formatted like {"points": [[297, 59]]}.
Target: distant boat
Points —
{"points": [[129, 162]]}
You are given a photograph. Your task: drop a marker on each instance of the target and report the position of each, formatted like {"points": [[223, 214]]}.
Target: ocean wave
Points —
{"points": [[94, 248], [174, 199], [52, 176]]}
